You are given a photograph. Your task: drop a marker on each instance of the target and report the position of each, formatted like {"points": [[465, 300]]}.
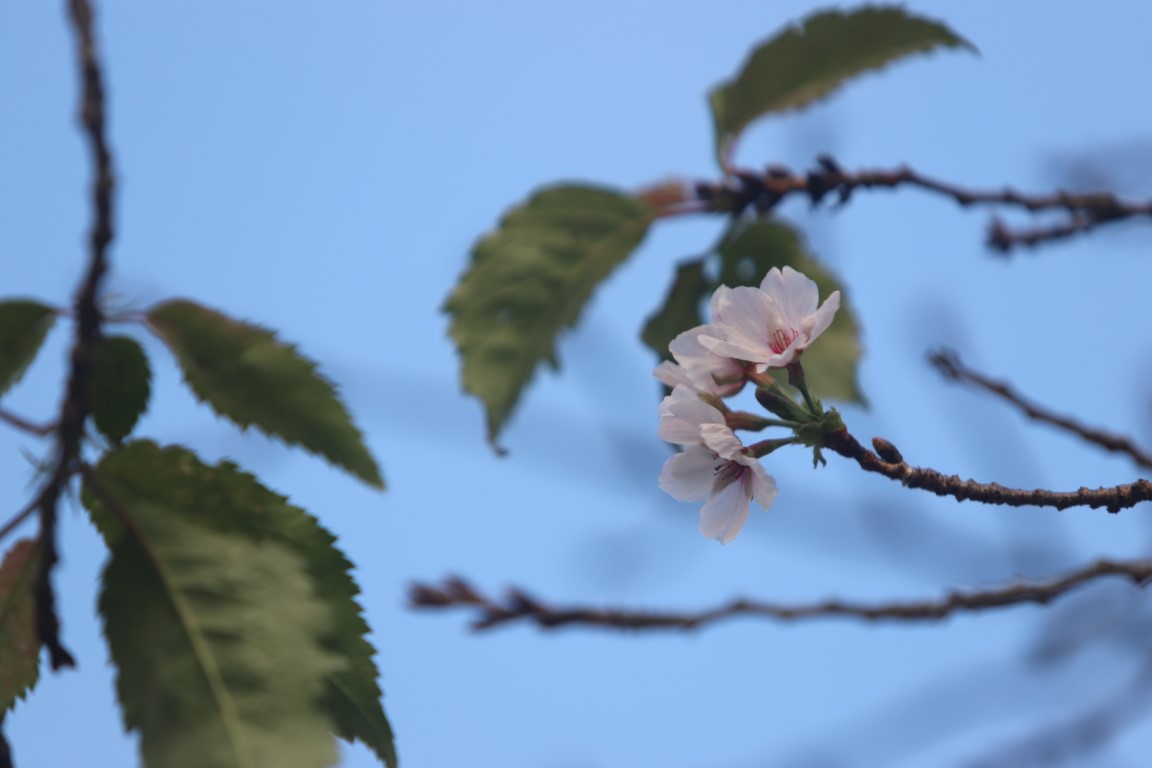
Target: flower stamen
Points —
{"points": [[781, 338]]}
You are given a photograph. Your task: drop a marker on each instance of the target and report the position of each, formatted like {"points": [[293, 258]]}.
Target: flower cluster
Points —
{"points": [[752, 330]]}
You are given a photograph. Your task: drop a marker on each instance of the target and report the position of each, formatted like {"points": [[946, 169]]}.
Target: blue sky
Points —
{"points": [[323, 170]]}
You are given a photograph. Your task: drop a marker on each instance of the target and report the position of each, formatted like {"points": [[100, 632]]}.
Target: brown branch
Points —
{"points": [[1001, 238], [764, 191], [887, 461], [519, 606], [24, 425], [949, 364], [75, 408], [20, 517]]}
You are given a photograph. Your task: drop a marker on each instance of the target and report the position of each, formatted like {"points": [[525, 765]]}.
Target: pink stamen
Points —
{"points": [[781, 338]]}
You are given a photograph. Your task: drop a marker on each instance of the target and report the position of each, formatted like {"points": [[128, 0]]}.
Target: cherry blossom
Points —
{"points": [[713, 466], [699, 368], [770, 325]]}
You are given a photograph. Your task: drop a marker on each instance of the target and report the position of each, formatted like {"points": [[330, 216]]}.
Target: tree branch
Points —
{"points": [[454, 592], [764, 191], [949, 364], [75, 408], [889, 462], [24, 425], [21, 516]]}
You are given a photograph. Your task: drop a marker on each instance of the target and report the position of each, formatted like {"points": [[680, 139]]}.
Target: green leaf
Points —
{"points": [[249, 377], [681, 308], [232, 502], [752, 247], [23, 326], [806, 62], [216, 644], [530, 279], [121, 384], [19, 643]]}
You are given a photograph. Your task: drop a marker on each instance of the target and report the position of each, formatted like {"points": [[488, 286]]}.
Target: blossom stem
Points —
{"points": [[765, 447], [796, 379], [753, 423]]}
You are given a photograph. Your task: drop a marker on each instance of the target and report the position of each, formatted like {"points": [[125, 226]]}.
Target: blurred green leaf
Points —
{"points": [[23, 326], [530, 279], [216, 645], [748, 250], [249, 377], [121, 384], [681, 308], [19, 643], [806, 62], [230, 501]]}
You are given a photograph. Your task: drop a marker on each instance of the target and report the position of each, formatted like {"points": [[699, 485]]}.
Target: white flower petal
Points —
{"points": [[763, 487], [793, 292], [682, 413], [681, 393], [685, 393], [671, 374], [721, 297], [702, 367], [725, 513], [687, 344], [745, 319], [745, 310], [819, 322], [721, 440], [688, 476]]}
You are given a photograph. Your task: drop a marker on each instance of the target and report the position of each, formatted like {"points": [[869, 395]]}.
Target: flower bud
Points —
{"points": [[780, 404]]}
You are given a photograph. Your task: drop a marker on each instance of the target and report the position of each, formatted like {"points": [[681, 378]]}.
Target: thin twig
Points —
{"points": [[24, 425], [764, 191], [30, 509], [75, 408], [950, 365], [891, 464], [519, 606]]}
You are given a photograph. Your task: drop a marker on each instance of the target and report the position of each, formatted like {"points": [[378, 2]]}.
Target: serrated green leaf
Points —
{"points": [[681, 308], [121, 384], [249, 377], [216, 644], [23, 326], [19, 643], [806, 62], [529, 280], [752, 247], [230, 501]]}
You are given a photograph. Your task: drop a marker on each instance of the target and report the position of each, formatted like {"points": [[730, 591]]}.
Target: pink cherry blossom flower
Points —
{"points": [[712, 467], [770, 325], [699, 368], [683, 413]]}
